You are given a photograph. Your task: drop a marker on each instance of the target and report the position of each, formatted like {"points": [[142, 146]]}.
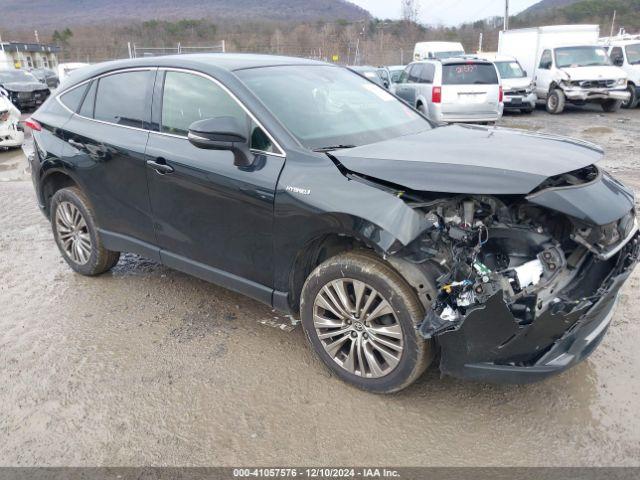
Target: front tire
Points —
{"points": [[556, 101], [75, 232], [633, 98], [360, 317], [611, 106]]}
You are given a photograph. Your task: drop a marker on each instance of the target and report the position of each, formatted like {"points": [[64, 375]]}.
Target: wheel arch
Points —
{"points": [[53, 180]]}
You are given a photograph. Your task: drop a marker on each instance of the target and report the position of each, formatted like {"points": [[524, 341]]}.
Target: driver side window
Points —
{"points": [[187, 98], [546, 60]]}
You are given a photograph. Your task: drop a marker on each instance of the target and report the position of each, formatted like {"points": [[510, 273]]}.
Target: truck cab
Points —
{"points": [[625, 54], [568, 65], [579, 74]]}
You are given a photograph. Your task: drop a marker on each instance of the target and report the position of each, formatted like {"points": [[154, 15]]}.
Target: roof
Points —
{"points": [[211, 63], [29, 47]]}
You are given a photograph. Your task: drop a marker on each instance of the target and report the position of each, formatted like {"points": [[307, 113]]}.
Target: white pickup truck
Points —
{"points": [[568, 65], [624, 52]]}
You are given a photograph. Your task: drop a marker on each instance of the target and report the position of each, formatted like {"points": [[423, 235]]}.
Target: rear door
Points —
{"points": [[107, 138], [470, 88], [213, 219]]}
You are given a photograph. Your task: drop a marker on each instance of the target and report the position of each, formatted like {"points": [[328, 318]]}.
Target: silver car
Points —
{"points": [[453, 90]]}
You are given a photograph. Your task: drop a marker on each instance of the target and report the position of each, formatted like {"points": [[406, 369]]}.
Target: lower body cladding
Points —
{"points": [[518, 292]]}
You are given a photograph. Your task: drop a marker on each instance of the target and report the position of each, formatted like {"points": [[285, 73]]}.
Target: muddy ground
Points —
{"points": [[145, 365]]}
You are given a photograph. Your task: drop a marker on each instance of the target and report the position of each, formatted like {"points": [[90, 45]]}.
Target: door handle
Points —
{"points": [[160, 166]]}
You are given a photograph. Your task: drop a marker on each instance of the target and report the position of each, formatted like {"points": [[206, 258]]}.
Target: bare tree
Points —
{"points": [[410, 10]]}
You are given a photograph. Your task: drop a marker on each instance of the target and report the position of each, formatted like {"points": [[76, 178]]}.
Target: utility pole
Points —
{"points": [[506, 14], [480, 43], [613, 22]]}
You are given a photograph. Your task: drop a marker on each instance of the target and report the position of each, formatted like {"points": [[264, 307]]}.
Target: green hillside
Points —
{"points": [[586, 11]]}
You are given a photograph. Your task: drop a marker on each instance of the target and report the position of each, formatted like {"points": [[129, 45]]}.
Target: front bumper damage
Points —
{"points": [[577, 94], [522, 288], [490, 345]]}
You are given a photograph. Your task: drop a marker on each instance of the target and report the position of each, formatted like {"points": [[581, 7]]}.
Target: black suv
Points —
{"points": [[311, 189]]}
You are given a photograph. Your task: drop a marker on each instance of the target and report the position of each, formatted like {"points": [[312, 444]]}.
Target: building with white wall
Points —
{"points": [[28, 55]]}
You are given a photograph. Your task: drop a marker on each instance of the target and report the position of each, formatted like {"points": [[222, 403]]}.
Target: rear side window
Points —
{"points": [[121, 98], [89, 100], [427, 73], [72, 98], [414, 73], [469, 74]]}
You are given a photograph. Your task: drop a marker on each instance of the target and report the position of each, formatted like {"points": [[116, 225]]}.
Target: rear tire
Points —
{"points": [[633, 99], [556, 101], [611, 106], [367, 335], [75, 232]]}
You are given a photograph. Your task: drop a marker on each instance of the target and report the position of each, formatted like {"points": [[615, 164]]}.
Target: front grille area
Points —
{"points": [[25, 95], [594, 83]]}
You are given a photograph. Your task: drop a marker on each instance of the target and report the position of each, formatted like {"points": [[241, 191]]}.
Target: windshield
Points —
{"points": [[510, 70], [469, 74], [581, 57], [395, 74], [453, 53], [633, 53], [324, 106], [16, 76]]}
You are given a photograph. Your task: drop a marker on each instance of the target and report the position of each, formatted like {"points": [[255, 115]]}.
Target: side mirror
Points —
{"points": [[525, 74], [221, 133]]}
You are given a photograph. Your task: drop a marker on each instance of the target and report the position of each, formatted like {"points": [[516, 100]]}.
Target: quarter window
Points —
{"points": [[72, 98], [121, 98], [188, 98], [89, 100]]}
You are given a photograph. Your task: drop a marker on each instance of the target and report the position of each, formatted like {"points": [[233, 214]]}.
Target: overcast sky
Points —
{"points": [[447, 12]]}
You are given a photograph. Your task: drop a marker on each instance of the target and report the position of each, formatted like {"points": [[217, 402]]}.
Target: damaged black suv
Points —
{"points": [[311, 189]]}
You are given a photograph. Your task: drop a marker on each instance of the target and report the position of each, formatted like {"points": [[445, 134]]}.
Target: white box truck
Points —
{"points": [[567, 65]]}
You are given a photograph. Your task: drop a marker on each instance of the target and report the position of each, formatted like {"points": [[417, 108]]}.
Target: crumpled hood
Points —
{"points": [[24, 86], [470, 159], [595, 73]]}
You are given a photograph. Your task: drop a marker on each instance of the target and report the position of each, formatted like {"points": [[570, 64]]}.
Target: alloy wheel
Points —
{"points": [[73, 233], [358, 328]]}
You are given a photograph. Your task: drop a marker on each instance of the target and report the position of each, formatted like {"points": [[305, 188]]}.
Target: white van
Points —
{"points": [[430, 50], [568, 65], [624, 52]]}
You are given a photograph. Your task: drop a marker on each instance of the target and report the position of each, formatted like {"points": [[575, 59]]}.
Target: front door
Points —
{"points": [[543, 74], [213, 219]]}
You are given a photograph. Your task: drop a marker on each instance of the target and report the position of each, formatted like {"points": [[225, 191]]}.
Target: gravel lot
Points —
{"points": [[147, 366]]}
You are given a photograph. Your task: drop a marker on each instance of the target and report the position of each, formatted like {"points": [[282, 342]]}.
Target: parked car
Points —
{"points": [[370, 73], [395, 71], [453, 90], [11, 132], [517, 85], [568, 65], [437, 50], [625, 53], [24, 90], [296, 183], [49, 77]]}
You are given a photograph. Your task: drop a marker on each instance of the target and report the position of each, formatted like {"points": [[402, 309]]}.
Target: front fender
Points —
{"points": [[314, 198]]}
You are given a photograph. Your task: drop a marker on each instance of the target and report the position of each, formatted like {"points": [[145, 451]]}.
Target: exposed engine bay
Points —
{"points": [[510, 253]]}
